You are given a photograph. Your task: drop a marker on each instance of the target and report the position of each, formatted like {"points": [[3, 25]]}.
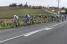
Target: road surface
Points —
{"points": [[52, 34]]}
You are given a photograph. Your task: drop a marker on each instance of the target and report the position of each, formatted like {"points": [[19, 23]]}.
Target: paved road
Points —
{"points": [[22, 30], [56, 35]]}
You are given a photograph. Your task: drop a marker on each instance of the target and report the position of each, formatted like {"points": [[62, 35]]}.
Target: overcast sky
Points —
{"points": [[63, 3]]}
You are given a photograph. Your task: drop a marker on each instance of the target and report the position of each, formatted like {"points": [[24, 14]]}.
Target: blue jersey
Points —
{"points": [[27, 17]]}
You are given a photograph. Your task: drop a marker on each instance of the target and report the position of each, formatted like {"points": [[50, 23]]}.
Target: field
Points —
{"points": [[9, 12], [6, 14]]}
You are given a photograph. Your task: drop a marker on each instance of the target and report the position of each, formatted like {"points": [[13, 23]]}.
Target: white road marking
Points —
{"points": [[11, 38], [42, 29], [48, 28], [33, 32], [30, 33], [58, 24], [27, 34]]}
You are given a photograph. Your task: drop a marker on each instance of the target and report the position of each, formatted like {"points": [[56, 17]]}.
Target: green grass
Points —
{"points": [[9, 12]]}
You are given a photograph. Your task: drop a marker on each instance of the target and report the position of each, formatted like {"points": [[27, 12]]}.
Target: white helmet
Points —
{"points": [[15, 15]]}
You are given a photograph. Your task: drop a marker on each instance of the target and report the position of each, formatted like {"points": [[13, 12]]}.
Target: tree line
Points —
{"points": [[25, 6]]}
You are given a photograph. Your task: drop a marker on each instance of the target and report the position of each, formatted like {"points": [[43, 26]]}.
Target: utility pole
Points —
{"points": [[58, 7]]}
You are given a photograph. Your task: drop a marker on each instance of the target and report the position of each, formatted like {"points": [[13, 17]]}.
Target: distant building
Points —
{"points": [[63, 11]]}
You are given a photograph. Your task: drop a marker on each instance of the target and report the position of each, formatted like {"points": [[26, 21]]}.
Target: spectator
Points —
{"points": [[58, 18], [62, 17], [27, 18], [65, 16], [16, 20]]}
